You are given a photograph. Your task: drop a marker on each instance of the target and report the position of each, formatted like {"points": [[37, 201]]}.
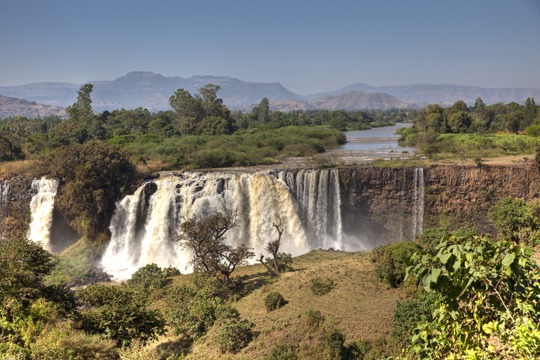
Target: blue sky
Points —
{"points": [[308, 46]]}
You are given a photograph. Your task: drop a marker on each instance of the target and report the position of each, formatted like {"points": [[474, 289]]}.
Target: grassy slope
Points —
{"points": [[360, 305]]}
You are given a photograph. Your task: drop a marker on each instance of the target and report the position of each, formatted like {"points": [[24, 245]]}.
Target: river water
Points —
{"points": [[373, 144]]}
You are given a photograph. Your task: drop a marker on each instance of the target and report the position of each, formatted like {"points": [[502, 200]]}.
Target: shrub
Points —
{"points": [[192, 313], [322, 286], [120, 312], [283, 352], [391, 261], [234, 335], [152, 277], [533, 130], [334, 342], [274, 300], [409, 313], [314, 319]]}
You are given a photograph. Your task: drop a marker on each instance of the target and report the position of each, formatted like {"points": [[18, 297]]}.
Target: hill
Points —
{"points": [[152, 91], [445, 94], [360, 306], [15, 107], [355, 100]]}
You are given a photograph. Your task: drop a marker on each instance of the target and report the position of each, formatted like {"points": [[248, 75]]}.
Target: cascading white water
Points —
{"points": [[4, 194], [318, 204], [418, 206], [41, 210], [144, 231], [146, 225]]}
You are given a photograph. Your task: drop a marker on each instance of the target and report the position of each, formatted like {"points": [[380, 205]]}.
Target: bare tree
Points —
{"points": [[279, 262], [205, 237]]}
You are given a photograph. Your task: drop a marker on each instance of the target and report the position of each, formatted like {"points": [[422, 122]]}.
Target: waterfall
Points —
{"points": [[145, 226], [318, 204], [4, 195], [418, 206], [41, 210]]}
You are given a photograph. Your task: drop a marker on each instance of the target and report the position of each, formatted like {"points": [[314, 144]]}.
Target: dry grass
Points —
{"points": [[360, 305], [21, 167]]}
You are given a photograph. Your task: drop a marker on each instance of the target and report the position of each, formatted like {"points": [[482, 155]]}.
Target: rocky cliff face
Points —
{"points": [[463, 194], [386, 201], [15, 195], [378, 204]]}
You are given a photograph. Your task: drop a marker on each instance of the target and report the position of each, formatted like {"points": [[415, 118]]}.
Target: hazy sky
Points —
{"points": [[309, 46]]}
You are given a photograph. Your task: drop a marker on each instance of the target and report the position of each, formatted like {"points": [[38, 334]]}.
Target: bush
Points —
{"points": [[283, 352], [234, 335], [391, 261], [409, 313], [274, 300], [314, 319], [322, 286], [121, 313], [152, 277], [334, 342], [533, 130]]}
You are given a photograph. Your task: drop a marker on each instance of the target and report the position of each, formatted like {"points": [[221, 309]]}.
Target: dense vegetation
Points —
{"points": [[199, 132], [476, 131]]}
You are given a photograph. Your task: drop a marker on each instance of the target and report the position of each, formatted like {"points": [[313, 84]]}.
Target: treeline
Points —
{"points": [[437, 129], [191, 127]]}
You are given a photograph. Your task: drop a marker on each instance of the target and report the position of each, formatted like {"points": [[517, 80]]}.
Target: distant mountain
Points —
{"points": [[445, 94], [149, 90], [355, 100], [15, 107], [152, 91]]}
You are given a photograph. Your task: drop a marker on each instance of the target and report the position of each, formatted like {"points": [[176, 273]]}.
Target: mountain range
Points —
{"points": [[152, 91]]}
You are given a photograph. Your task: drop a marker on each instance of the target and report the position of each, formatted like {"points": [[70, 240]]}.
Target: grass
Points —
{"points": [[20, 167], [488, 145], [360, 306]]}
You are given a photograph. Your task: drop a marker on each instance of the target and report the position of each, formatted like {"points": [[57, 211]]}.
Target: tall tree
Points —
{"points": [[205, 237], [82, 109], [263, 111]]}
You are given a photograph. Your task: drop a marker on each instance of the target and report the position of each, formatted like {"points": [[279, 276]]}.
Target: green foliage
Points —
{"points": [[533, 130], [119, 312], [514, 220], [274, 300], [10, 149], [283, 352], [392, 260], [64, 342], [409, 313], [322, 286], [192, 312], [334, 341], [314, 319], [151, 277], [487, 305], [93, 176], [205, 238], [234, 335], [23, 266]]}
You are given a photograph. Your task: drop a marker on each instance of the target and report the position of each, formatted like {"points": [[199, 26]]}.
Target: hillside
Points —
{"points": [[19, 107], [360, 306], [355, 100]]}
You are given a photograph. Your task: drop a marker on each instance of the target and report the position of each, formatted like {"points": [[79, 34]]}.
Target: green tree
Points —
{"points": [[92, 177], [263, 111], [81, 110], [487, 305], [205, 238], [121, 313], [510, 216]]}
